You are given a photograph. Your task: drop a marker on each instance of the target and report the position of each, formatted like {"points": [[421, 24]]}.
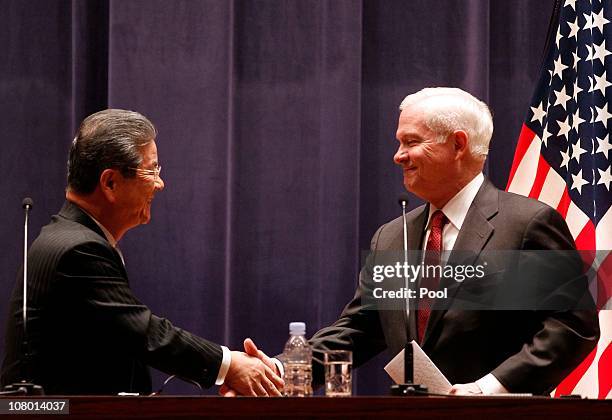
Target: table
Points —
{"points": [[166, 407]]}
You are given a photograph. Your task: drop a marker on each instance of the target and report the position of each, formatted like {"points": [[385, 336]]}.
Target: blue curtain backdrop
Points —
{"points": [[276, 128]]}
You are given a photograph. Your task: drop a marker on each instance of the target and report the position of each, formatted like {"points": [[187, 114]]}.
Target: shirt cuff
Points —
{"points": [[279, 366], [489, 384], [225, 364]]}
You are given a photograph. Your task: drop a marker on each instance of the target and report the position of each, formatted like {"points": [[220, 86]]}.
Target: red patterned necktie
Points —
{"points": [[432, 258]]}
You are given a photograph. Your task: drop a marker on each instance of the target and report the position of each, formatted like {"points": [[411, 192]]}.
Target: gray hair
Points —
{"points": [[450, 109], [107, 139]]}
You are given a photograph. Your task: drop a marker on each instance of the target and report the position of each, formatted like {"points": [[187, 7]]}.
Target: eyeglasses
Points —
{"points": [[155, 172]]}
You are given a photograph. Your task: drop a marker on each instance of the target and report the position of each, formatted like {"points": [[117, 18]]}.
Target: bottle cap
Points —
{"points": [[297, 328]]}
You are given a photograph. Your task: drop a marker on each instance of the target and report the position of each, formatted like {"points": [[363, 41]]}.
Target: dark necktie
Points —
{"points": [[432, 258]]}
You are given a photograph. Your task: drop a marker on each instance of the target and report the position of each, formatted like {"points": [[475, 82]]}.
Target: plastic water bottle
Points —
{"points": [[297, 361]]}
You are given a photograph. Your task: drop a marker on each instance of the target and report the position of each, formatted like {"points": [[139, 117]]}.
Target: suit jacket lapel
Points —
{"points": [[477, 229], [473, 236], [416, 230]]}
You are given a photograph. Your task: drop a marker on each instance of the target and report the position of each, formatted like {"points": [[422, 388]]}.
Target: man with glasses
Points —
{"points": [[88, 333]]}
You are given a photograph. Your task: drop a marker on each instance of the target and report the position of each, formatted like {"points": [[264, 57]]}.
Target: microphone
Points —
{"points": [[408, 388], [27, 204], [403, 199], [23, 387], [403, 202]]}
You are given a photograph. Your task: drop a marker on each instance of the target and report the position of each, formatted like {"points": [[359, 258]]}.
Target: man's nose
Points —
{"points": [[159, 183], [401, 156]]}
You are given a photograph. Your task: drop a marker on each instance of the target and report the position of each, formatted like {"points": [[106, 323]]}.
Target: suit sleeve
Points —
{"points": [[94, 279], [565, 337], [357, 329]]}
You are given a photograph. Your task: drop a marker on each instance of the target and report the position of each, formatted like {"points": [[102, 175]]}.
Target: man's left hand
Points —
{"points": [[251, 349], [465, 389], [226, 391]]}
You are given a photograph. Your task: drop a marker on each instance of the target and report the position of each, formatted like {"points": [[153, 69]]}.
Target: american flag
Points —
{"points": [[564, 156]]}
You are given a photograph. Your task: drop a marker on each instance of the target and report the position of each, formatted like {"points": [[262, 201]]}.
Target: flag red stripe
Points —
{"points": [[605, 372], [586, 239], [525, 139], [569, 383], [538, 182], [564, 203], [604, 281]]}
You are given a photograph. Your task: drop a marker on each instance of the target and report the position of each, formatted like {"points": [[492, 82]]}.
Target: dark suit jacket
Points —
{"points": [[526, 350], [88, 333]]}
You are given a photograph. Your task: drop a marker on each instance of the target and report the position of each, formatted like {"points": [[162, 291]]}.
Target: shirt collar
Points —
{"points": [[457, 207]]}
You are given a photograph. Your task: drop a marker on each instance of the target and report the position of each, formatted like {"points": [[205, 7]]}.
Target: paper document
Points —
{"points": [[425, 371]]}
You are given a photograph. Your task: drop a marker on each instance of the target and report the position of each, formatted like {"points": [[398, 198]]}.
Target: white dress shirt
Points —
{"points": [[455, 211]]}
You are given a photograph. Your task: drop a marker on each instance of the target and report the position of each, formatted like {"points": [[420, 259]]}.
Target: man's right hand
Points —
{"points": [[251, 349], [249, 376]]}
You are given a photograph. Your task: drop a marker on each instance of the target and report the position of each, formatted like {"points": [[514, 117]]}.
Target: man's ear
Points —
{"points": [[108, 183], [460, 142]]}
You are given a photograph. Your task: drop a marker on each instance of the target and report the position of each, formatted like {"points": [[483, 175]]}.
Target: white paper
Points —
{"points": [[425, 371]]}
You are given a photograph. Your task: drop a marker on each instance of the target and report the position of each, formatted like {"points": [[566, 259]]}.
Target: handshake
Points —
{"points": [[252, 373]]}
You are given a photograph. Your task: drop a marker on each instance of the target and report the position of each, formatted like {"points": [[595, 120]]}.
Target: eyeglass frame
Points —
{"points": [[155, 172]]}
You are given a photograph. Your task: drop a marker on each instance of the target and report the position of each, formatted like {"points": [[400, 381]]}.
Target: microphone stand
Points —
{"points": [[408, 388], [24, 387]]}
